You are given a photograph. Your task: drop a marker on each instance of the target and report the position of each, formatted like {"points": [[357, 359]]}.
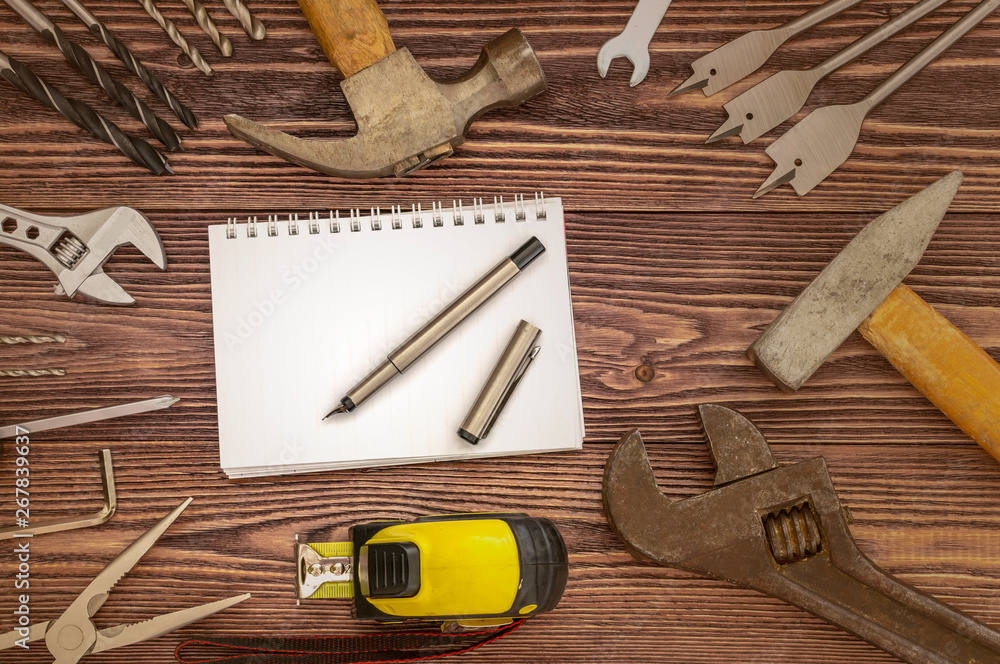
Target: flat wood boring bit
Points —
{"points": [[206, 23], [176, 37], [83, 116], [250, 23], [79, 58], [122, 52], [777, 98], [825, 139], [746, 54]]}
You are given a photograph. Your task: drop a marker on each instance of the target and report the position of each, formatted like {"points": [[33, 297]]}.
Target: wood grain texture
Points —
{"points": [[672, 266]]}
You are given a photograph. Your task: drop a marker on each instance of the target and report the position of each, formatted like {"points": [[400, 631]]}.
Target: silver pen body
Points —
{"points": [[438, 328]]}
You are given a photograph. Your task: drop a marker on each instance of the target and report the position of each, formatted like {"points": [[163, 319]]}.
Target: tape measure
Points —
{"points": [[475, 570]]}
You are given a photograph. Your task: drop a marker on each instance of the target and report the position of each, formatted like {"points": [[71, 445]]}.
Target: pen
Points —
{"points": [[434, 331]]}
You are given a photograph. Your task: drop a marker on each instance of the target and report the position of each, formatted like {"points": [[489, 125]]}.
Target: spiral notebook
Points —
{"points": [[304, 308]]}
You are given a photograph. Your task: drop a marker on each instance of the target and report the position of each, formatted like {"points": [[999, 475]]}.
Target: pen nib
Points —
{"points": [[339, 409]]}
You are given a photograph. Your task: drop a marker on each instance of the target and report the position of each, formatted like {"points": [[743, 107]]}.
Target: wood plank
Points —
{"points": [[598, 143], [683, 293], [672, 267]]}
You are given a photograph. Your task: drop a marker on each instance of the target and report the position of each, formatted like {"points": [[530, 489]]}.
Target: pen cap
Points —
{"points": [[506, 375]]}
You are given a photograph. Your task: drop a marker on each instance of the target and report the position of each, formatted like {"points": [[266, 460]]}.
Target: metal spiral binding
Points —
{"points": [[69, 250], [519, 214], [793, 534], [397, 217]]}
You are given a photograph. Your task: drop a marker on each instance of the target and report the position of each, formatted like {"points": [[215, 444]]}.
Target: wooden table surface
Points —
{"points": [[672, 266]]}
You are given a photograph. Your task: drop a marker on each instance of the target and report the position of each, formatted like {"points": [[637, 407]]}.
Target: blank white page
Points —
{"points": [[299, 319]]}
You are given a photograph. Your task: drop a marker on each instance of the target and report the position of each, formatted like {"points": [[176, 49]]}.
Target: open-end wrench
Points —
{"points": [[633, 42], [76, 248], [782, 531]]}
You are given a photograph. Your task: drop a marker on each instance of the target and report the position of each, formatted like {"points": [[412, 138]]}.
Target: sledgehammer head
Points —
{"points": [[406, 119]]}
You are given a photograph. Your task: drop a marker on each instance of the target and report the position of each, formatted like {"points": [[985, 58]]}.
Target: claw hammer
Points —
{"points": [[781, 530], [406, 119]]}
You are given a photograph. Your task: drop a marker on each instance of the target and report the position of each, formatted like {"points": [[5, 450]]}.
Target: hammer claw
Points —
{"points": [[345, 158]]}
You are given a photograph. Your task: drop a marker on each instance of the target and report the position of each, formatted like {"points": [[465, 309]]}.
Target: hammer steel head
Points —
{"points": [[862, 275], [406, 119]]}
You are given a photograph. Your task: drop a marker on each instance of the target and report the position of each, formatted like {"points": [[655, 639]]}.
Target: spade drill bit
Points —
{"points": [[251, 24], [176, 37], [746, 54], [82, 116], [122, 52], [777, 98], [825, 139], [208, 25], [79, 57]]}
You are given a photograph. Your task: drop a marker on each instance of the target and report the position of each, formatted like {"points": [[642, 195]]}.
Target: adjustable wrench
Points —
{"points": [[781, 531], [633, 42], [76, 248]]}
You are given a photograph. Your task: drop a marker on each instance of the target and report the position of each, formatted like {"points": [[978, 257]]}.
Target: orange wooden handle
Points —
{"points": [[353, 33], [944, 364]]}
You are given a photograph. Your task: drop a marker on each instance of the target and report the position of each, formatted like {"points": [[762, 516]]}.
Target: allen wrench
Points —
{"points": [[73, 523]]}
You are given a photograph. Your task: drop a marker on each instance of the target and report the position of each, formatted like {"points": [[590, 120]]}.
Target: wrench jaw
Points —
{"points": [[624, 47]]}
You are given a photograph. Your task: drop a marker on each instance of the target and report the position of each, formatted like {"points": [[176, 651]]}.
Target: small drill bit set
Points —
{"points": [[825, 138], [85, 116]]}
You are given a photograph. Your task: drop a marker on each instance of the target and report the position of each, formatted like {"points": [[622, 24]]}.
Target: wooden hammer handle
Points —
{"points": [[353, 33], [944, 364]]}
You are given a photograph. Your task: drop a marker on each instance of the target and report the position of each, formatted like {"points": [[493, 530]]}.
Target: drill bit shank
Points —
{"points": [[251, 24], [122, 52], [175, 36], [210, 28], [79, 58], [83, 116]]}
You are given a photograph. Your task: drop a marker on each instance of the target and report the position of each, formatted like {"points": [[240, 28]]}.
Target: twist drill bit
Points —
{"points": [[30, 373], [83, 116], [176, 37], [208, 25], [34, 339], [251, 24], [122, 52], [79, 58]]}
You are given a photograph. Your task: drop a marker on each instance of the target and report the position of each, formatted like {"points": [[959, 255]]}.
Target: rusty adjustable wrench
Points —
{"points": [[76, 248], [781, 531]]}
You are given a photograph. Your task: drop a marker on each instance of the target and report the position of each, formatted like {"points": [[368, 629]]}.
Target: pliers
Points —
{"points": [[74, 635]]}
